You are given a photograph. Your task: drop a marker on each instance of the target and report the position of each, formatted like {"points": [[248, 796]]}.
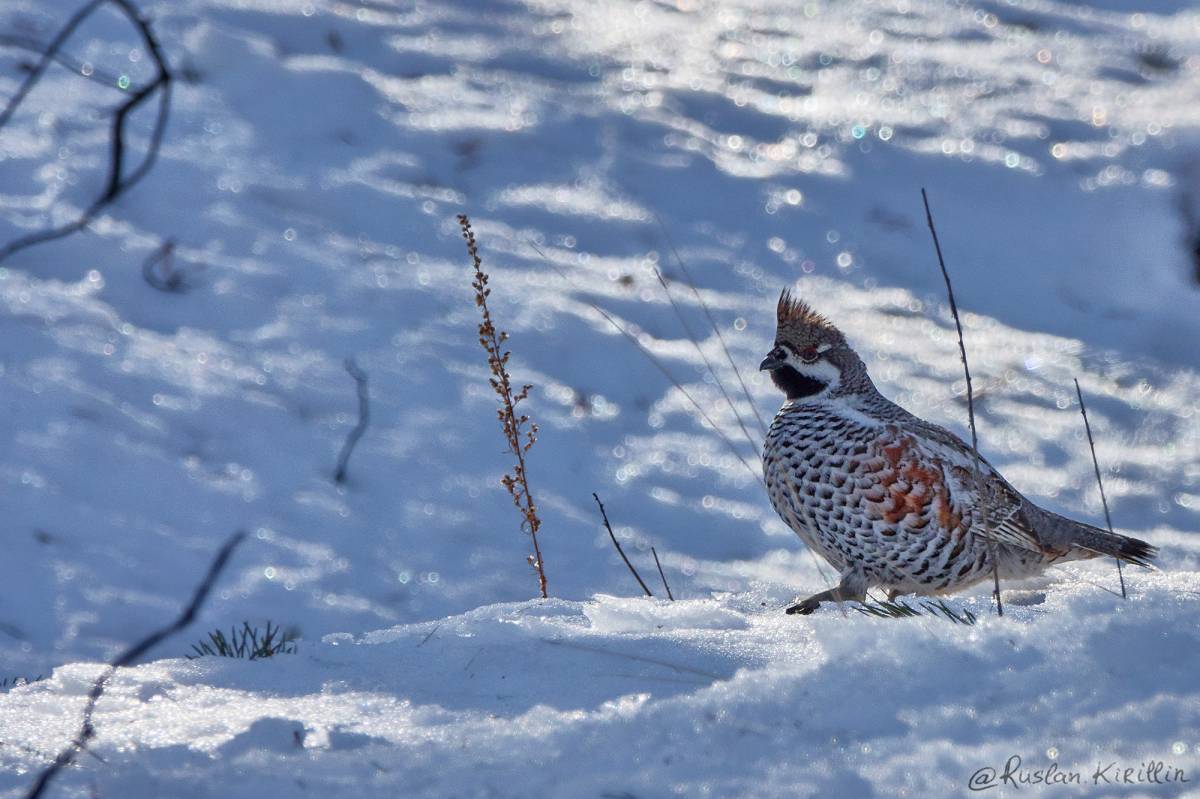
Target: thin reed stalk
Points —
{"points": [[661, 574], [962, 349], [1099, 482]]}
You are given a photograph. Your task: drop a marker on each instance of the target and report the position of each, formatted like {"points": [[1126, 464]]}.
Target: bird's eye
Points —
{"points": [[809, 355]]}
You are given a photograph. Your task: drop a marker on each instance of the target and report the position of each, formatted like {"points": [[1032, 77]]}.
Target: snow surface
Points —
{"points": [[316, 155]]}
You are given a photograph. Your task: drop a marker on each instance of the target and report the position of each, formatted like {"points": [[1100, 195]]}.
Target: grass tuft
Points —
{"points": [[247, 643], [903, 610]]}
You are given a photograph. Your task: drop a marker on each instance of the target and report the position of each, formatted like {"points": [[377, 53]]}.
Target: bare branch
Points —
{"points": [[43, 63], [86, 731], [364, 416], [117, 182], [1096, 465], [962, 349], [617, 544]]}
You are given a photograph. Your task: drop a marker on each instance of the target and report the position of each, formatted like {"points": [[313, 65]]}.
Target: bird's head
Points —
{"points": [[810, 356]]}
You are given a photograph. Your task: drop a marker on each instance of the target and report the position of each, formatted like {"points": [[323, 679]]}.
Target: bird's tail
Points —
{"points": [[1102, 542]]}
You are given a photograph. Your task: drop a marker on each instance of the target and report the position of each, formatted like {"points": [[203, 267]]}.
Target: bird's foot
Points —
{"points": [[852, 588], [804, 608]]}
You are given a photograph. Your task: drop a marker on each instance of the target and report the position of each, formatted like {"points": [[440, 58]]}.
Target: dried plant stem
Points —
{"points": [[617, 544], [117, 182], [1099, 482], [962, 349], [364, 417], [519, 431], [86, 731], [654, 552]]}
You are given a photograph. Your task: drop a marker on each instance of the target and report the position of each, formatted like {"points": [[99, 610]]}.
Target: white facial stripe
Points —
{"points": [[821, 370], [824, 347]]}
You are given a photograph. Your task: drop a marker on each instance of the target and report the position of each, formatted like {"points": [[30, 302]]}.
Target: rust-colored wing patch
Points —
{"points": [[918, 490], [914, 490]]}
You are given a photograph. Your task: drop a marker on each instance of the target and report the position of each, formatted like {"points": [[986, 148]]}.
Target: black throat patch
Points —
{"points": [[795, 385]]}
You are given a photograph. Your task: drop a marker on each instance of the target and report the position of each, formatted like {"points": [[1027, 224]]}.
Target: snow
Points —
{"points": [[316, 156], [592, 698]]}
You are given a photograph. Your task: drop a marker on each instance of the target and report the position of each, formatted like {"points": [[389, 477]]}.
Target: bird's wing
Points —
{"points": [[928, 473]]}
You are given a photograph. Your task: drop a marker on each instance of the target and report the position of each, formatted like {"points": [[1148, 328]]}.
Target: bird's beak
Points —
{"points": [[774, 360]]}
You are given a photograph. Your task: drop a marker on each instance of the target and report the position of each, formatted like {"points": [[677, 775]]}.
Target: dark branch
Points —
{"points": [[86, 731], [962, 349], [117, 182], [670, 596], [49, 56], [364, 416], [1096, 465], [617, 544]]}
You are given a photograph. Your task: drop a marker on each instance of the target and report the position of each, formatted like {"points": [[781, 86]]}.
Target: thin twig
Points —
{"points": [[86, 731], [670, 596], [1096, 465], [658, 364], [47, 57], [691, 284], [962, 349], [117, 183], [364, 416], [617, 544]]}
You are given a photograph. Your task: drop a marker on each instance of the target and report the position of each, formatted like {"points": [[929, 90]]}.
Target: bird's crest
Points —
{"points": [[795, 312]]}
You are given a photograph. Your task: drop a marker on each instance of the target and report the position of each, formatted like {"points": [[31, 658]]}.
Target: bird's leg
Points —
{"points": [[852, 588]]}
